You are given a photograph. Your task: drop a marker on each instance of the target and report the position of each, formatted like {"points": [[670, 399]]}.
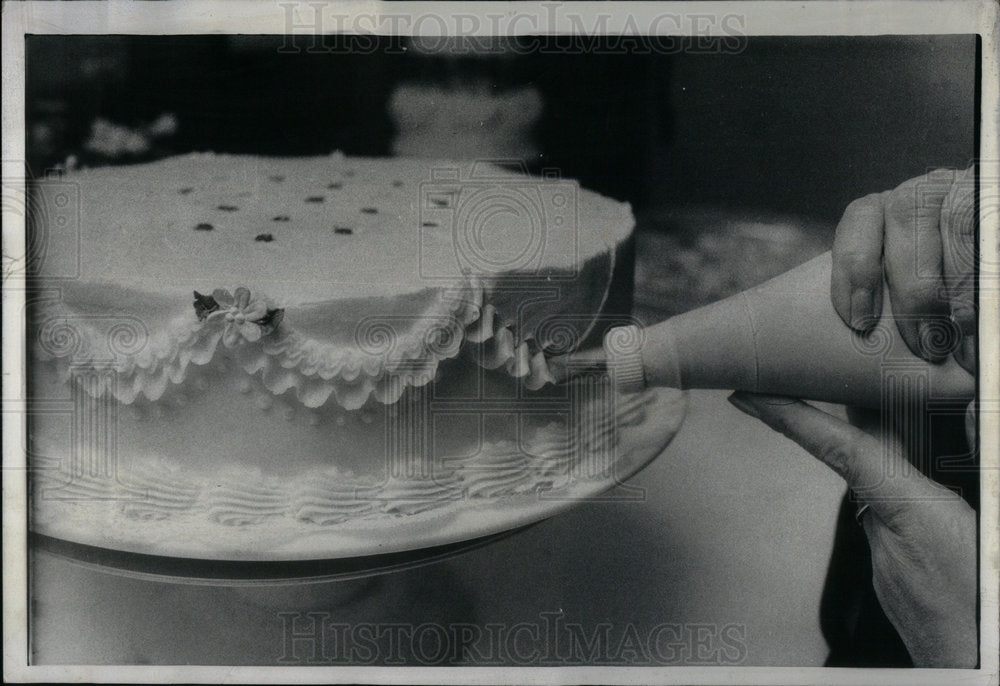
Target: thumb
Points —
{"points": [[876, 472]]}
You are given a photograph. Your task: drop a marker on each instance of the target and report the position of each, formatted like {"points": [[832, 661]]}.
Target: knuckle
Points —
{"points": [[841, 456]]}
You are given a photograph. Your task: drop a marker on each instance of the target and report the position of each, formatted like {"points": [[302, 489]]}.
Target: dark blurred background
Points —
{"points": [[789, 124]]}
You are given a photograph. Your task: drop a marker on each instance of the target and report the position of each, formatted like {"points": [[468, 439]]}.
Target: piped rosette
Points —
{"points": [[554, 455]]}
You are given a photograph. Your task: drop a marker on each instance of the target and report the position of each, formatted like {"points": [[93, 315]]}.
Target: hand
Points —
{"points": [[922, 536], [921, 235]]}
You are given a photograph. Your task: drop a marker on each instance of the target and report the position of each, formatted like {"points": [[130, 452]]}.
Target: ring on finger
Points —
{"points": [[861, 511]]}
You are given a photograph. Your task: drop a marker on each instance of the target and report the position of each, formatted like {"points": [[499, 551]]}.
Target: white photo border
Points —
{"points": [[821, 17]]}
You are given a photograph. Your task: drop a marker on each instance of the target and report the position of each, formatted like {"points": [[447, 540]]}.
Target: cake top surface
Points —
{"points": [[311, 230]]}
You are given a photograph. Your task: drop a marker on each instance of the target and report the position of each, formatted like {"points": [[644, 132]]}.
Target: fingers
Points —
{"points": [[876, 475], [958, 237], [913, 262], [922, 234], [856, 286]]}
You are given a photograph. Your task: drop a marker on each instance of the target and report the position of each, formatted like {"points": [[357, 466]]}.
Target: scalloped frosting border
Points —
{"points": [[381, 366]]}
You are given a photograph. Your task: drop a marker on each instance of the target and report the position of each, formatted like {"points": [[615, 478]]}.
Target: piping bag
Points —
{"points": [[785, 338]]}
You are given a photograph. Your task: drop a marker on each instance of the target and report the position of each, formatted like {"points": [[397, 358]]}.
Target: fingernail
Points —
{"points": [[743, 404], [862, 315]]}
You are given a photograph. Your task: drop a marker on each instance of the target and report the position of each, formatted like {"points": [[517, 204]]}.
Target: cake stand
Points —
{"points": [[398, 576], [355, 551]]}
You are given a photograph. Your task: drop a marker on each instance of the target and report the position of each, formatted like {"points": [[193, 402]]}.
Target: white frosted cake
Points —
{"points": [[287, 345]]}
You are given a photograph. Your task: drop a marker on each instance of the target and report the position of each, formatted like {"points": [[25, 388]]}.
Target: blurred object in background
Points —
{"points": [[68, 84], [574, 106], [468, 123], [118, 143], [229, 94], [693, 256], [568, 103], [458, 101]]}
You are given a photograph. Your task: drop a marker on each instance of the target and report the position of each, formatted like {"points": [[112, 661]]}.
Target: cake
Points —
{"points": [[235, 352]]}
